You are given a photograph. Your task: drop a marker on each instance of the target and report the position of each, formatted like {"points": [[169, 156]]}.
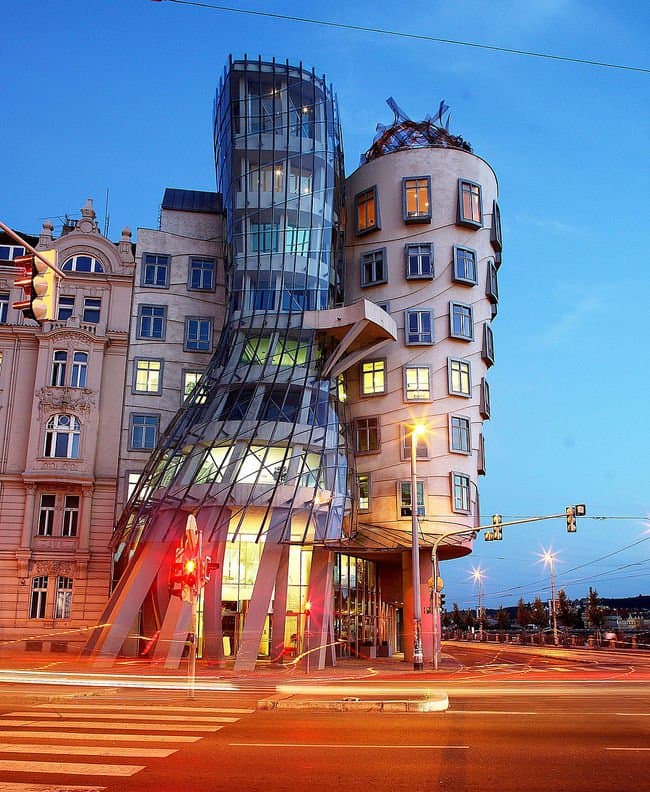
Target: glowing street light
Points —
{"points": [[548, 557], [478, 577], [418, 653]]}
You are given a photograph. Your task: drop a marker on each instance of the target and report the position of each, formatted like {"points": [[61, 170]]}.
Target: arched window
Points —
{"points": [[62, 437], [82, 263]]}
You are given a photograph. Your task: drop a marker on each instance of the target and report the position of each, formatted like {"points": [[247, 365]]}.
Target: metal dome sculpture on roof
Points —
{"points": [[404, 133]]}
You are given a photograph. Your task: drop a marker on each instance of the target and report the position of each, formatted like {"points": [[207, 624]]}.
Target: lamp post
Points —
{"points": [[477, 574], [548, 558], [418, 654]]}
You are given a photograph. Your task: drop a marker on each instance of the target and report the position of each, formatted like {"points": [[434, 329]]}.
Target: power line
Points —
{"points": [[418, 36]]}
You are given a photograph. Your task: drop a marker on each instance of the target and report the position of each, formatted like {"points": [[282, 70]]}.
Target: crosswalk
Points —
{"points": [[97, 740]]}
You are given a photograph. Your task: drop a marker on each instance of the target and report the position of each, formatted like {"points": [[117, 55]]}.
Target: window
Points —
{"points": [[416, 196], [418, 327], [487, 353], [62, 437], [465, 270], [79, 369], [363, 488], [461, 321], [422, 446], [373, 377], [190, 381], [384, 305], [485, 398], [460, 434], [46, 515], [255, 350], [4, 306], [491, 283], [405, 498], [373, 268], [296, 240], [65, 307], [198, 334], [63, 599], [470, 208], [147, 376], [70, 515], [9, 252], [419, 261], [155, 270], [202, 274], [82, 264], [92, 306], [367, 211], [38, 598], [459, 375], [144, 432], [366, 435], [292, 351], [480, 463], [282, 403], [495, 235], [237, 403], [59, 362], [265, 237], [417, 383], [152, 320], [460, 493]]}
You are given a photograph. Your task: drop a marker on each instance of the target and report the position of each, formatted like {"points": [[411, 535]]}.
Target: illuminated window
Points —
{"points": [[465, 270], [373, 377], [214, 465], [291, 352], [459, 375], [46, 515], [147, 376], [461, 321], [62, 437], [38, 598], [460, 489], [419, 260], [416, 195], [70, 515], [367, 211], [363, 487], [417, 383], [405, 498], [263, 465], [459, 434], [63, 598], [418, 327], [470, 207], [155, 270], [421, 448], [373, 268], [366, 435], [256, 350], [190, 381]]}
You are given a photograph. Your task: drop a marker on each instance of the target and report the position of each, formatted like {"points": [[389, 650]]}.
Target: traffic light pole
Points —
{"points": [[11, 233]]}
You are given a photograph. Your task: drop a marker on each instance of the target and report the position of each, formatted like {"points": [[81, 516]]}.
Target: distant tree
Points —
{"points": [[469, 619], [565, 612], [523, 614], [595, 614], [502, 618], [538, 614], [457, 617]]}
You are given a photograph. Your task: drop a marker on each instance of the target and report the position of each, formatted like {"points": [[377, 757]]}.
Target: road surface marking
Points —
{"points": [[339, 745], [121, 716], [85, 750], [10, 786], [69, 768], [129, 707], [159, 738], [489, 712], [634, 714], [80, 724], [626, 749]]}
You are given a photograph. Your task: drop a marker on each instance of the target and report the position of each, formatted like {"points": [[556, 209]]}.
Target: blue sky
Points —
{"points": [[118, 95]]}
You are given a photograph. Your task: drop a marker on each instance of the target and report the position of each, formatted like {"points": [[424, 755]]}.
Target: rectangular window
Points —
{"points": [[416, 197], [198, 334], [59, 363], [367, 211], [147, 376], [281, 403], [487, 352], [79, 369], [4, 307], [419, 260], [460, 434], [470, 207], [422, 447], [405, 498], [296, 240], [373, 377], [363, 487], [237, 403], [63, 600], [460, 484], [265, 237], [152, 320], [480, 463], [155, 270], [373, 267], [366, 435], [38, 598], [485, 399], [65, 307], [10, 252], [263, 291], [465, 269], [144, 432], [461, 321], [46, 515], [190, 381], [70, 515], [92, 310], [418, 327], [202, 275], [417, 383], [491, 283], [495, 235], [459, 374]]}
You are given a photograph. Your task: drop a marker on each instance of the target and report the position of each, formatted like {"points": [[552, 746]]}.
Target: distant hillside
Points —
{"points": [[639, 603]]}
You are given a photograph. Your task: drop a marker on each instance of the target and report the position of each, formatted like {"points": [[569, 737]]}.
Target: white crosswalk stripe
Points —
{"points": [[71, 732]]}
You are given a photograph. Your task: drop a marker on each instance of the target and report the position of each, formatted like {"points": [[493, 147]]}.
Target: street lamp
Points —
{"points": [[418, 654], [548, 558], [478, 577]]}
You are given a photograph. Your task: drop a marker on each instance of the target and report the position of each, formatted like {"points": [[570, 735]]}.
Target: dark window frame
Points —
{"points": [[416, 216]]}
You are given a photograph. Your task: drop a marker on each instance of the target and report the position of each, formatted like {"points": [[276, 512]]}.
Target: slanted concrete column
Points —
{"points": [[214, 523], [320, 641]]}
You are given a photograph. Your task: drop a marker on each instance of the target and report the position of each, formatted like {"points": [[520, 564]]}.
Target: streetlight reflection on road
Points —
{"points": [[479, 576], [418, 652]]}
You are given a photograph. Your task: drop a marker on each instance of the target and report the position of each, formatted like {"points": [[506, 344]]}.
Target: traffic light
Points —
{"points": [[570, 519], [497, 521], [441, 604], [176, 574], [39, 284]]}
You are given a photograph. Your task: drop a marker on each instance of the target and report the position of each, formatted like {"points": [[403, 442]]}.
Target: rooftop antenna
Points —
{"points": [[107, 217]]}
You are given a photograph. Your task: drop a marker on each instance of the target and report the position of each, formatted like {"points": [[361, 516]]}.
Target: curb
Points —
{"points": [[432, 702]]}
